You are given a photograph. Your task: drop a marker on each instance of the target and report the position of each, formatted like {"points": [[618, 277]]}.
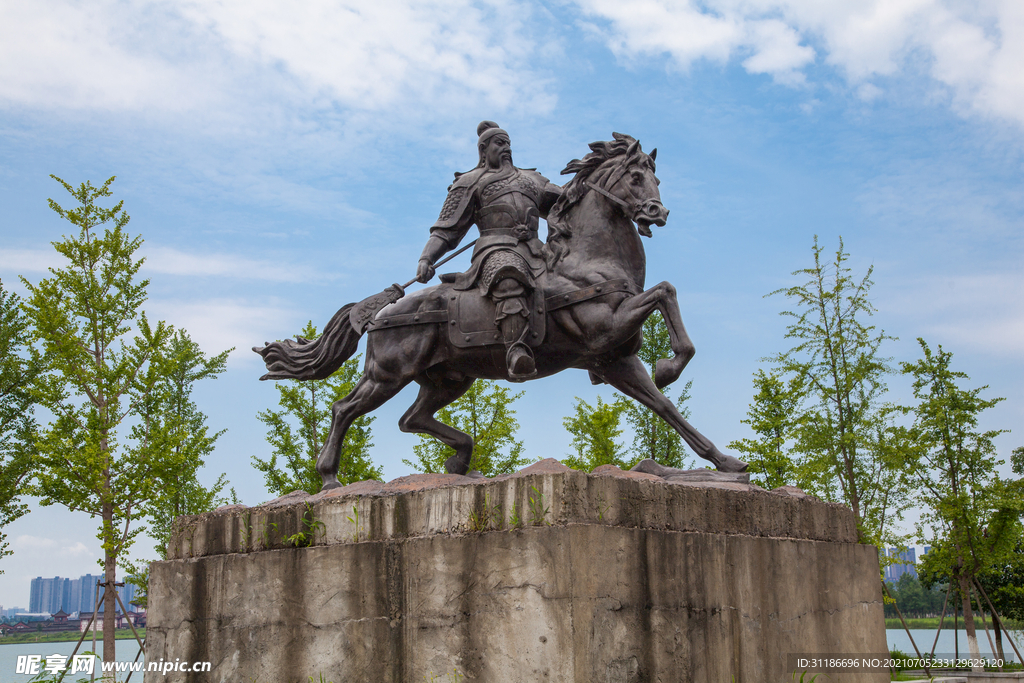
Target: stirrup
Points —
{"points": [[531, 368]]}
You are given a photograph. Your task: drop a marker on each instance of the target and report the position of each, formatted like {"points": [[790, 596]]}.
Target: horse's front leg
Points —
{"points": [[629, 376], [667, 370], [632, 313]]}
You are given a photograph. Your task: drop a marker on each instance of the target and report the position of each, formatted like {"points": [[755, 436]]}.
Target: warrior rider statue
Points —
{"points": [[505, 203]]}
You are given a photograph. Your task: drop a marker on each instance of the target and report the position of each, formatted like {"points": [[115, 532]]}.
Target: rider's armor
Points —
{"points": [[508, 257]]}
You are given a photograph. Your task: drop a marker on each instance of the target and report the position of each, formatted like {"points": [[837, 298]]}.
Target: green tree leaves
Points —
{"points": [[17, 424], [774, 418], [485, 413], [594, 431], [174, 424], [840, 422], [954, 466], [298, 431]]}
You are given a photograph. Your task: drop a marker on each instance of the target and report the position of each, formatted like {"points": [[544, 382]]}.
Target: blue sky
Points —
{"points": [[281, 161]]}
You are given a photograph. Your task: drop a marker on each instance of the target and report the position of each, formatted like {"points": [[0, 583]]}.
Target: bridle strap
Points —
{"points": [[630, 210]]}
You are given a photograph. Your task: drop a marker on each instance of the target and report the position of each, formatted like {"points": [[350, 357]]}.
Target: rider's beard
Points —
{"points": [[506, 159]]}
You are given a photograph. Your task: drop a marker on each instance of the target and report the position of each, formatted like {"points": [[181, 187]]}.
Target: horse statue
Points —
{"points": [[588, 313]]}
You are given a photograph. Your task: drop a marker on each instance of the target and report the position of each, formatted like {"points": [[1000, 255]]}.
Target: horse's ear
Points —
{"points": [[654, 154], [633, 147]]}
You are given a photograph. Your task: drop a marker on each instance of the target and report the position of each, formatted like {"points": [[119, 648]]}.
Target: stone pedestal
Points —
{"points": [[545, 575]]}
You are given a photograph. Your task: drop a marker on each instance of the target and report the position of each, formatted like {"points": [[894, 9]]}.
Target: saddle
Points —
{"points": [[471, 320], [469, 316]]}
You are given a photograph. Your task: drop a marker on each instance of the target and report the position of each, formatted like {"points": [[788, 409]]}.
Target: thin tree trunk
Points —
{"points": [[997, 626], [981, 590], [110, 577], [904, 622], [956, 628], [972, 634], [988, 634], [942, 618]]}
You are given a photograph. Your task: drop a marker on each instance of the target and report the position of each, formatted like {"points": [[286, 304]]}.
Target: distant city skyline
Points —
{"points": [[51, 595]]}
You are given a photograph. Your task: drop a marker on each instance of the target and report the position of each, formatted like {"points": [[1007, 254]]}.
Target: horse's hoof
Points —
{"points": [[666, 371], [456, 465], [727, 463], [330, 485]]}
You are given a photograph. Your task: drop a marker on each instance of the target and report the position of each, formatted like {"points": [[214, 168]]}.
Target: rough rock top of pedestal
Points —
{"points": [[545, 493]]}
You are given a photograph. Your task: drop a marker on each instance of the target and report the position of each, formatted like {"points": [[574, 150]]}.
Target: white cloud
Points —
{"points": [[974, 51], [148, 54], [27, 542], [983, 313], [219, 324], [172, 261], [777, 51], [28, 260]]}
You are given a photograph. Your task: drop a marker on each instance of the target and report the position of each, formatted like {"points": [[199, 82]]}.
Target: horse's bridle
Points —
{"points": [[636, 210]]}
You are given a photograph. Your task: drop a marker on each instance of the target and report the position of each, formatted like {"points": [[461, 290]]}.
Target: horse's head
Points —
{"points": [[624, 174]]}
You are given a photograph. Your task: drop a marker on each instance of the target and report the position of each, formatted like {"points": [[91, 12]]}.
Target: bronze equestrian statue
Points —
{"points": [[523, 310]]}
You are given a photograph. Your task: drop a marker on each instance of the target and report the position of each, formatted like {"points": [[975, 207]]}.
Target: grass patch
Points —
{"points": [[66, 636]]}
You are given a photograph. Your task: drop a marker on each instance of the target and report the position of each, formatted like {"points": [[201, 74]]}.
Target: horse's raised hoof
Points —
{"points": [[667, 370], [727, 463]]}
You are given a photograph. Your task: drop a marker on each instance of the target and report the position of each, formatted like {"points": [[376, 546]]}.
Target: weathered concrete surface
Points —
{"points": [[611, 577]]}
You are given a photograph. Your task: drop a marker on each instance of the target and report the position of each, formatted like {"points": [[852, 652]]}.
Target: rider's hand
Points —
{"points": [[424, 271]]}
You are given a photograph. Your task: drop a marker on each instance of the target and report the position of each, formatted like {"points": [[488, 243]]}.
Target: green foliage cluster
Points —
{"points": [[298, 430], [595, 429], [821, 423], [485, 413], [17, 422], [834, 381], [170, 411], [913, 599], [773, 417]]}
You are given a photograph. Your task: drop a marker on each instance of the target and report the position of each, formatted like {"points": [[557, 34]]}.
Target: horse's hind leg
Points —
{"points": [[368, 394], [420, 419], [629, 376]]}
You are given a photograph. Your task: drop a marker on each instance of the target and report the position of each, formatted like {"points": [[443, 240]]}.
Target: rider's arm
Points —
{"points": [[548, 196], [433, 250], [454, 222]]}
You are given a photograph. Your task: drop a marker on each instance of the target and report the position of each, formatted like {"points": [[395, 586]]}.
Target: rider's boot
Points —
{"points": [[512, 316], [514, 326]]}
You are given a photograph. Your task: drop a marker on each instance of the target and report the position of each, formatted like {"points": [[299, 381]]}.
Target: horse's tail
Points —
{"points": [[317, 359]]}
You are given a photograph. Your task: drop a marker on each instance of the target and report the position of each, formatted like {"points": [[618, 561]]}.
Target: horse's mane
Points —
{"points": [[592, 166]]}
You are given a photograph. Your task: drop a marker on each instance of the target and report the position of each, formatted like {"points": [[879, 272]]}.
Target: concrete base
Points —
{"points": [[612, 577]]}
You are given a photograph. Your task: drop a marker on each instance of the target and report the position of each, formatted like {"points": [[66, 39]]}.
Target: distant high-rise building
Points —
{"points": [[86, 601], [907, 564], [46, 595]]}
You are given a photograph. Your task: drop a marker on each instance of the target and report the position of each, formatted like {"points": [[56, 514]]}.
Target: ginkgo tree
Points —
{"points": [[105, 451]]}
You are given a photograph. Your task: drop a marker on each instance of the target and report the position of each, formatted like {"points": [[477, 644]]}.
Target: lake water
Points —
{"points": [[924, 638], [126, 651]]}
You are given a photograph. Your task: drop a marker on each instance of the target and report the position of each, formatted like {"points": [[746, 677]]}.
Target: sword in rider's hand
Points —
{"points": [[367, 309]]}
